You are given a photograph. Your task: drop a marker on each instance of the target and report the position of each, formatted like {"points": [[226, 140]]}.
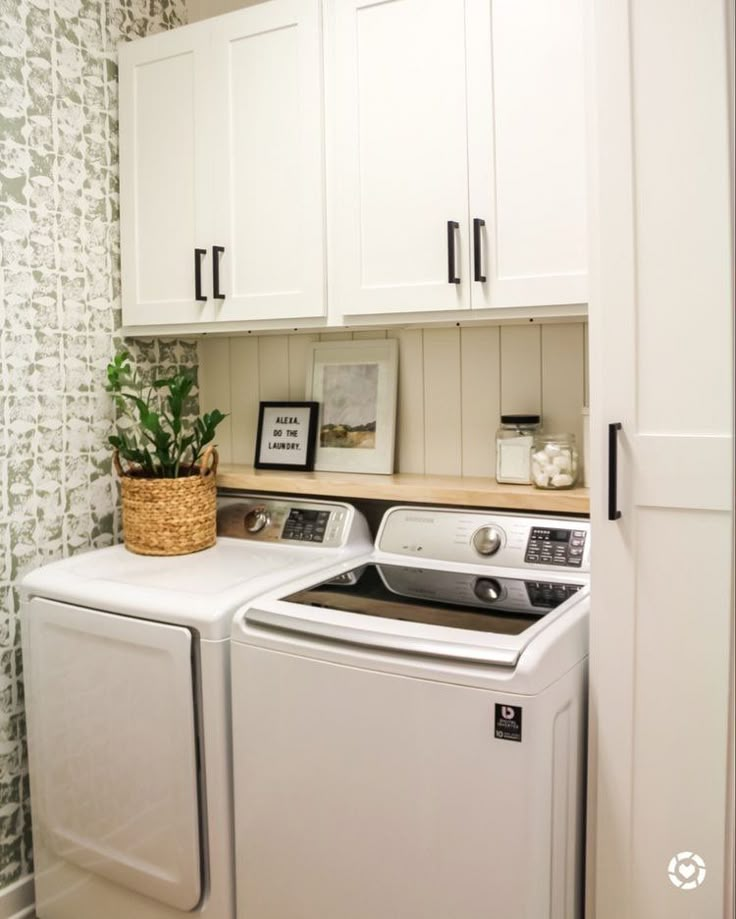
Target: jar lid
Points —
{"points": [[520, 419]]}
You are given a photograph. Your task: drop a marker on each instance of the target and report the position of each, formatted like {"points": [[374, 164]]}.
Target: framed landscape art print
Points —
{"points": [[354, 383]]}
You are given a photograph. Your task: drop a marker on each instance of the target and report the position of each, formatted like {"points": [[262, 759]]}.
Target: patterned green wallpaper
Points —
{"points": [[59, 310]]}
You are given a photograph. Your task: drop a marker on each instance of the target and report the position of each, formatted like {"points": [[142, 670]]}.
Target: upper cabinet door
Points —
{"points": [[164, 205], [398, 155], [268, 176], [527, 143]]}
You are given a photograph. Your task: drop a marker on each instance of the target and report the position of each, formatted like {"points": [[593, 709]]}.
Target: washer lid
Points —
{"points": [[487, 618], [200, 591]]}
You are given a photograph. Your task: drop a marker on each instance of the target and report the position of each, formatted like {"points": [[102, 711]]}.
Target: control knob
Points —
{"points": [[488, 589], [487, 540], [256, 520]]}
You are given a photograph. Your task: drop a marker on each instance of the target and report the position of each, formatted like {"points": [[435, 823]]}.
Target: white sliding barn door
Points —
{"points": [[661, 324]]}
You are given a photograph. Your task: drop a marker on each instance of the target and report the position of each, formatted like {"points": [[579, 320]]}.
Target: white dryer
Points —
{"points": [[409, 728], [128, 704]]}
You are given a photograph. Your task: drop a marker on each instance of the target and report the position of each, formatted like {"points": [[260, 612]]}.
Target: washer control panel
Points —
{"points": [[556, 546], [486, 538], [264, 519]]}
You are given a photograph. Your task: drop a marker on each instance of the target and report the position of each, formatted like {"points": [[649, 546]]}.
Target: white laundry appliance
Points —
{"points": [[409, 727], [128, 701]]}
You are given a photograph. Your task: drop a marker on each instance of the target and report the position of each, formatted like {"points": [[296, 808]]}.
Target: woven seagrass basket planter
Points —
{"points": [[170, 516]]}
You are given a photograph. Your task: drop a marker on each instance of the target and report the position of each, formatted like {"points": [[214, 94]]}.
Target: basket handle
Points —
{"points": [[117, 464], [208, 463]]}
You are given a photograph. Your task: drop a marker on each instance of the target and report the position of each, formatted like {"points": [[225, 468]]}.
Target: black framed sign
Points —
{"points": [[287, 435]]}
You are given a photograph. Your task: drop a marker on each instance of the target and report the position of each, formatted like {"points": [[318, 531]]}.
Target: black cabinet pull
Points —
{"points": [[198, 256], [477, 224], [216, 253], [613, 512], [452, 225]]}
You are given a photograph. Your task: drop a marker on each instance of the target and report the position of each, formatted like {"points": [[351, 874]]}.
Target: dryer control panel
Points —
{"points": [[268, 519]]}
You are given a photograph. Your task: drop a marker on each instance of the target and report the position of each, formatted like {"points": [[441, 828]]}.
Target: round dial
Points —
{"points": [[488, 589], [256, 520], [487, 540]]}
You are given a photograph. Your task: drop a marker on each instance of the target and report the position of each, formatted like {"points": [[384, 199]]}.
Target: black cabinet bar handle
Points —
{"points": [[216, 253], [452, 225], [613, 512], [198, 256], [477, 224]]}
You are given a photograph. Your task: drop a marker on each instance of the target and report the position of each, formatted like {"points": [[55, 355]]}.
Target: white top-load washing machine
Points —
{"points": [[409, 728], [128, 702]]}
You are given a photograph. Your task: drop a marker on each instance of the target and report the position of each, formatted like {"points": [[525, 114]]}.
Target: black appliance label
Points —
{"points": [[508, 722]]}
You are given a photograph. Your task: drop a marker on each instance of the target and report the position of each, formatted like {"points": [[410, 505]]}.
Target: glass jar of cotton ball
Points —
{"points": [[554, 461]]}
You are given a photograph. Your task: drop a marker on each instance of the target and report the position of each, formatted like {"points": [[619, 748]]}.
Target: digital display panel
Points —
{"points": [[306, 525], [551, 535]]}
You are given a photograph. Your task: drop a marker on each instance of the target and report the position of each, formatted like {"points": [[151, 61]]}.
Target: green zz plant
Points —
{"points": [[155, 437]]}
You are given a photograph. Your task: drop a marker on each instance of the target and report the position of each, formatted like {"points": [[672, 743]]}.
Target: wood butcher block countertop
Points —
{"points": [[461, 491]]}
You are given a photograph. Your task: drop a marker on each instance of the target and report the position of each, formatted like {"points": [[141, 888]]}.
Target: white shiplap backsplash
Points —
{"points": [[454, 383]]}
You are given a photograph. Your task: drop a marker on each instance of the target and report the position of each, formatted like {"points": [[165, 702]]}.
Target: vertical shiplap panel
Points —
{"points": [[563, 379], [481, 399], [442, 397], [298, 347], [245, 397], [521, 369], [410, 413], [453, 385], [273, 367], [214, 388]]}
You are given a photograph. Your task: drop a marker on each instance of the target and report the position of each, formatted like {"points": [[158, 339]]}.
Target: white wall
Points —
{"points": [[454, 383]]}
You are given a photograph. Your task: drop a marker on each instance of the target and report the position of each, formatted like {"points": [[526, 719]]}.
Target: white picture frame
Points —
{"points": [[355, 384]]}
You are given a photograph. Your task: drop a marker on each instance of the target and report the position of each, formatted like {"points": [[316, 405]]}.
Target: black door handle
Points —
{"points": [[613, 512], [477, 224], [452, 225], [198, 256], [216, 253]]}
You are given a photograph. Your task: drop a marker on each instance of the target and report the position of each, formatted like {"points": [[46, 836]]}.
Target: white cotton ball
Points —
{"points": [[552, 449], [541, 480], [562, 480], [550, 469], [562, 462], [540, 458]]}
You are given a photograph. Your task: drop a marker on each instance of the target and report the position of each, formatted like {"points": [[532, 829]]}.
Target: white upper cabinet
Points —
{"points": [[222, 174], [165, 209], [399, 155], [469, 111], [269, 162], [453, 146], [527, 145]]}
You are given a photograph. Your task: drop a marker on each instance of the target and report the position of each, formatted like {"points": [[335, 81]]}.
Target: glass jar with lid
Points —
{"points": [[514, 442], [554, 461]]}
